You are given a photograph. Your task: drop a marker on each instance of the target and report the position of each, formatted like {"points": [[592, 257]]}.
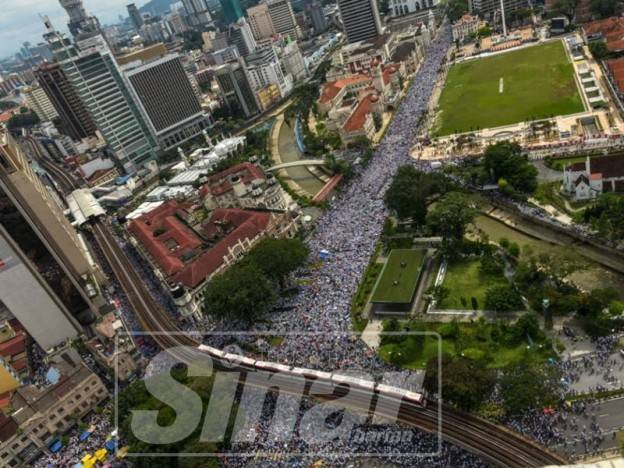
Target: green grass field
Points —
{"points": [[464, 280], [406, 277], [538, 82], [479, 341]]}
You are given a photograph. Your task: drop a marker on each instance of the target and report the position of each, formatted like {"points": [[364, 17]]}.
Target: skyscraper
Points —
{"points": [[197, 12], [165, 95], [260, 21], [135, 16], [234, 83], [283, 18], [79, 21], [240, 35], [232, 11], [75, 121], [314, 11], [360, 19], [45, 275], [93, 71], [37, 100]]}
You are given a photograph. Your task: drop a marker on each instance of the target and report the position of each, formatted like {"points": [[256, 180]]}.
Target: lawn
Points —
{"points": [[537, 82], [476, 340], [399, 277], [464, 280], [560, 163]]}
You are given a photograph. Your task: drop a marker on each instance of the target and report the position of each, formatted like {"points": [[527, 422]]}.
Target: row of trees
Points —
{"points": [[249, 289]]}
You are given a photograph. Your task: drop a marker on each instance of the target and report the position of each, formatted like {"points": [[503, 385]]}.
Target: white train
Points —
{"points": [[238, 361]]}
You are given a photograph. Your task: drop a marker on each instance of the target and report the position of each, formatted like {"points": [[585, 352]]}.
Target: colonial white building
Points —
{"points": [[465, 26], [405, 7], [589, 179]]}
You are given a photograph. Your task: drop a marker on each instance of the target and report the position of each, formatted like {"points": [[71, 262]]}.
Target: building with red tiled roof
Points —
{"points": [[351, 102], [243, 186], [588, 179], [189, 252], [610, 30], [616, 70]]}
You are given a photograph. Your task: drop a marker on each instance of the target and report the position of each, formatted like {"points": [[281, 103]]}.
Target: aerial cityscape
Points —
{"points": [[312, 233]]}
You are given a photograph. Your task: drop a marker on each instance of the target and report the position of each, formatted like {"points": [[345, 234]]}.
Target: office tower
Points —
{"points": [[283, 18], [240, 35], [315, 12], [135, 16], [292, 61], [75, 121], [264, 69], [360, 19], [176, 22], [235, 86], [165, 95], [79, 21], [93, 71], [47, 280], [260, 21], [197, 12], [37, 100], [231, 11]]}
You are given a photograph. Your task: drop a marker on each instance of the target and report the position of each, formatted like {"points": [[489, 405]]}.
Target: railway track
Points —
{"points": [[494, 443]]}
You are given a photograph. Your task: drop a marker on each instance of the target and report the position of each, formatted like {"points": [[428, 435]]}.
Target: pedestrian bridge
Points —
{"points": [[302, 162]]}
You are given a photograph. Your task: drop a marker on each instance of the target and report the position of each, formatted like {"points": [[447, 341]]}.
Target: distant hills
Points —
{"points": [[157, 7]]}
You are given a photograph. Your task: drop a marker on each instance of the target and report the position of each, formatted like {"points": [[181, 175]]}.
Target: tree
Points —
{"points": [[598, 49], [277, 258], [504, 160], [607, 216], [564, 7], [407, 195], [438, 293], [456, 9], [502, 298], [526, 386], [22, 120], [466, 383], [451, 215], [243, 292], [604, 8]]}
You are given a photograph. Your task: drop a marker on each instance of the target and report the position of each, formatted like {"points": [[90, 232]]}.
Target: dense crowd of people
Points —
{"points": [[77, 443]]}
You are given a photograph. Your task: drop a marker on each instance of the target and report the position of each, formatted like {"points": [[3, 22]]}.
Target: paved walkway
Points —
{"points": [[370, 335]]}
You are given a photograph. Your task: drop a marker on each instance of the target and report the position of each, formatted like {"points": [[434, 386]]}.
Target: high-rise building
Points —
{"points": [[93, 71], [37, 100], [316, 15], [260, 21], [75, 121], [165, 96], [197, 12], [232, 11], [47, 280], [135, 16], [360, 19], [264, 69], [292, 61], [236, 88], [240, 35], [79, 21], [283, 18]]}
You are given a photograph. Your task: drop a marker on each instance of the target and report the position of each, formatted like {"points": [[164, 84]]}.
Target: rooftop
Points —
{"points": [[608, 166], [611, 29], [186, 255]]}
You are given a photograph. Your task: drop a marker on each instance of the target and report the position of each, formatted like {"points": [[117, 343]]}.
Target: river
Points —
{"points": [[290, 153]]}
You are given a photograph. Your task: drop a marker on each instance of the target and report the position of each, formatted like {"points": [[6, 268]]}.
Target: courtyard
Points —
{"points": [[526, 84]]}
